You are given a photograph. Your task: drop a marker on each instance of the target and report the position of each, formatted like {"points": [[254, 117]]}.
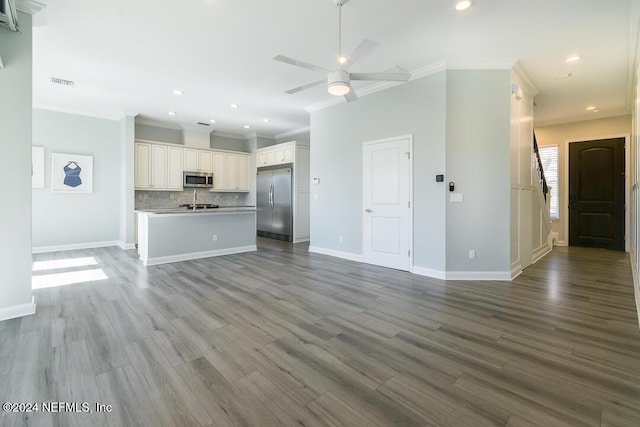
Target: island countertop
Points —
{"points": [[187, 211], [177, 234]]}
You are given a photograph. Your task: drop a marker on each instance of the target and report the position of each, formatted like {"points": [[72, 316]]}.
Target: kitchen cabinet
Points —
{"points": [[230, 171], [196, 160], [174, 168], [157, 167], [276, 154]]}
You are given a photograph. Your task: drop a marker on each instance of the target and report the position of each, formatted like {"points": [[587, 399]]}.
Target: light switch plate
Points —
{"points": [[316, 181], [456, 198]]}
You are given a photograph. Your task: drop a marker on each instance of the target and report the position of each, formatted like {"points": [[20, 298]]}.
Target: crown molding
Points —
{"points": [[29, 6], [519, 71], [473, 64], [569, 120], [111, 115], [156, 123], [292, 132]]}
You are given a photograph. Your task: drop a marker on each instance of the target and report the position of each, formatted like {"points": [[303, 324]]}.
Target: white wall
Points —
{"points": [[62, 220], [127, 193], [337, 134], [15, 174]]}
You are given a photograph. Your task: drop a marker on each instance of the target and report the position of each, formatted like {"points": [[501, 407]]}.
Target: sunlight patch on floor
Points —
{"points": [[63, 263], [69, 278]]}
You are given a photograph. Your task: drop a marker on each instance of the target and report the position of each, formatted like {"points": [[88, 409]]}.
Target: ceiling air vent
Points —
{"points": [[61, 81], [203, 124]]}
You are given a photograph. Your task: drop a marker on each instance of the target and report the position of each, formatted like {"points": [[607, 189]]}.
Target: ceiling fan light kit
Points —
{"points": [[339, 80]]}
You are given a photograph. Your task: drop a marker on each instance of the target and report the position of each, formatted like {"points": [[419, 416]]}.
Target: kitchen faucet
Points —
{"points": [[195, 197]]}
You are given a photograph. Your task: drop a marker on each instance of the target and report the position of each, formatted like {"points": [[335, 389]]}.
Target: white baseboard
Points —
{"points": [[198, 255], [19, 310], [428, 272], [73, 247], [541, 252], [560, 243], [126, 246], [636, 282], [479, 275], [338, 254], [516, 270]]}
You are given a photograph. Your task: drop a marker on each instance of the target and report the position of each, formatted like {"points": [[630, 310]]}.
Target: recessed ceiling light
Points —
{"points": [[595, 111], [247, 127], [463, 5], [591, 108], [178, 92], [234, 106], [212, 121], [265, 120], [173, 113], [342, 59], [573, 58]]}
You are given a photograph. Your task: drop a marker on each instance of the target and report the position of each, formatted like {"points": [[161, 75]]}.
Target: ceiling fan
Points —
{"points": [[339, 80]]}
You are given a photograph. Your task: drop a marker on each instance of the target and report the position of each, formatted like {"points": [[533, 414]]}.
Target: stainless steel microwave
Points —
{"points": [[197, 179]]}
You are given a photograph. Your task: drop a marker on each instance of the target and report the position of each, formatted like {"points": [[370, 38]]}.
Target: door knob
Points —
{"points": [[368, 210]]}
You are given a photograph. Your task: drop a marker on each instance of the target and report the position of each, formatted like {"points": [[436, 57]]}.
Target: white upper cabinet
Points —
{"points": [[191, 159], [205, 161], [174, 168], [160, 166], [276, 154]]}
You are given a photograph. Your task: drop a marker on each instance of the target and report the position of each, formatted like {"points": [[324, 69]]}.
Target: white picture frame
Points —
{"points": [[37, 167], [71, 173]]}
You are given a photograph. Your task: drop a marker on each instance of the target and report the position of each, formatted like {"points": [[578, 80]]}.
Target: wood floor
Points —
{"points": [[282, 337]]}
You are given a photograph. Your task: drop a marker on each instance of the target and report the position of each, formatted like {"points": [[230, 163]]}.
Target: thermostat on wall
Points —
{"points": [[316, 181]]}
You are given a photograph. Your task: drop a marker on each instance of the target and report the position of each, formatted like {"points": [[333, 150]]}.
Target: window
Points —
{"points": [[549, 158]]}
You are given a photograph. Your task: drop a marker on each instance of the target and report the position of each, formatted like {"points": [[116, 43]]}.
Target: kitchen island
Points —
{"points": [[171, 235]]}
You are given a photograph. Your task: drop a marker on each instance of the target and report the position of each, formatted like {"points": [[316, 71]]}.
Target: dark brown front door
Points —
{"points": [[596, 193]]}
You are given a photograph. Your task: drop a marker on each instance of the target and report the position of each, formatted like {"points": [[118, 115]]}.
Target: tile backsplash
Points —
{"points": [[172, 199]]}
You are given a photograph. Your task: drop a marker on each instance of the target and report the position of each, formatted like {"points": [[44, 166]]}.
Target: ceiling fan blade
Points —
{"points": [[307, 86], [351, 96], [297, 63], [392, 77], [359, 53]]}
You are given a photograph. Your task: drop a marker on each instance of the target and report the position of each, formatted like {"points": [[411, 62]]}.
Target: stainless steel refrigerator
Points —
{"points": [[274, 203]]}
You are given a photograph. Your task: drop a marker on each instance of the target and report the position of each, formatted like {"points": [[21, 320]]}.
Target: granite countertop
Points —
{"points": [[187, 211]]}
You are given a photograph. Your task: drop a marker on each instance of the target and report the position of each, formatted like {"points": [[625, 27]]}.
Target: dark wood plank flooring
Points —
{"points": [[283, 337]]}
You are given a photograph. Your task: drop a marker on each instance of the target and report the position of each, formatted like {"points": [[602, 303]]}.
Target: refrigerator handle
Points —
{"points": [[271, 196]]}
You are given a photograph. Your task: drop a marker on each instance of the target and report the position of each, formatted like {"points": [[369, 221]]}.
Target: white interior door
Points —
{"points": [[387, 203]]}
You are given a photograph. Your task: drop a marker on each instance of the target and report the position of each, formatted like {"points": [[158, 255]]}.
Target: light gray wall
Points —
{"points": [[478, 162], [262, 141], [15, 174], [303, 138], [67, 219], [158, 133], [337, 134], [227, 143]]}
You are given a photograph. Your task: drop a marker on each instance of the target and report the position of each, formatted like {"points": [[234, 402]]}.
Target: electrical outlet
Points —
{"points": [[341, 239], [472, 254], [215, 237]]}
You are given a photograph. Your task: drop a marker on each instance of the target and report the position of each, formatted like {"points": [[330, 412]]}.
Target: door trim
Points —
{"points": [[411, 159], [627, 184]]}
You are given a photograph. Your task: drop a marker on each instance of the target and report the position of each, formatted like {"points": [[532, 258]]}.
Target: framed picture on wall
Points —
{"points": [[71, 173], [37, 167]]}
